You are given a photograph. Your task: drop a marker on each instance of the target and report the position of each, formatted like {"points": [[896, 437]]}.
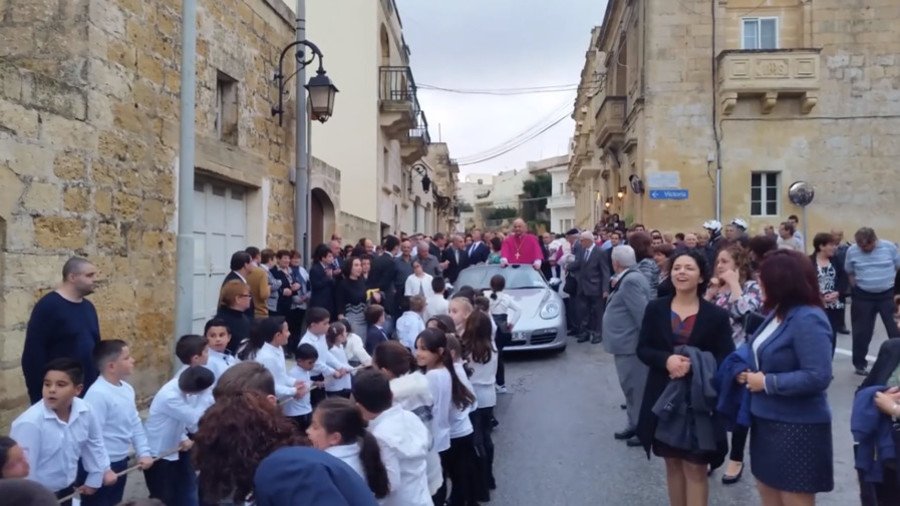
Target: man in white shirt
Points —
{"points": [[402, 437], [60, 429], [176, 409], [113, 403]]}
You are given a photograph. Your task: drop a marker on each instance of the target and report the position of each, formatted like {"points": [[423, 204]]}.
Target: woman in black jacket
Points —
{"points": [[830, 275], [684, 319], [233, 303], [885, 371], [322, 280], [351, 296], [289, 286]]}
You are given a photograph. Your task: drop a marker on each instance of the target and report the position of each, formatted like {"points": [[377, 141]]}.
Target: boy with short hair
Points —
{"points": [[113, 403], [436, 304], [375, 334], [318, 320], [403, 439], [175, 411], [217, 335], [300, 410], [192, 350], [410, 324], [59, 429]]}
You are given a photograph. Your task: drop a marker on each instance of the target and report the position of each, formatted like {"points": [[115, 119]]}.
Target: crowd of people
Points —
{"points": [[362, 380]]}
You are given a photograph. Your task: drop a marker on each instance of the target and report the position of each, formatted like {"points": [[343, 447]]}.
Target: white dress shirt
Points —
{"points": [[326, 364], [483, 379], [272, 358], [356, 350], [403, 441], [219, 362], [418, 286], [301, 406], [116, 411], [350, 455], [504, 304], [53, 446], [333, 384], [172, 414], [408, 327], [435, 305], [440, 384], [460, 425]]}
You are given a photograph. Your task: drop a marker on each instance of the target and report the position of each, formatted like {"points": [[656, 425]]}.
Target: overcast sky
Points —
{"points": [[494, 44]]}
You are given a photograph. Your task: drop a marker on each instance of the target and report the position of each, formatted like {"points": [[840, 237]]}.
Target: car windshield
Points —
{"points": [[516, 277]]}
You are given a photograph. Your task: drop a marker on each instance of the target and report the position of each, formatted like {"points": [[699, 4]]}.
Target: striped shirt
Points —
{"points": [[874, 271]]}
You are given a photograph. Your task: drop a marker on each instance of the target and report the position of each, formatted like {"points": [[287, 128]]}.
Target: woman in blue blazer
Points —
{"points": [[790, 433]]}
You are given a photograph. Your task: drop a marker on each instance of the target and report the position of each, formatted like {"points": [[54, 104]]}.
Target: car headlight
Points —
{"points": [[550, 311]]}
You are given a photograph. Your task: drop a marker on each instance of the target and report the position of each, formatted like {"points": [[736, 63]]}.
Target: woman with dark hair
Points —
{"points": [[233, 303], [322, 280], [759, 247], [688, 322], [300, 302], [791, 358], [234, 436], [351, 296], [496, 246], [662, 255], [643, 253], [734, 290], [829, 274], [289, 286]]}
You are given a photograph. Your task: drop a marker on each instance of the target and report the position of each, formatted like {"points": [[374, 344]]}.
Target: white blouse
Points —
{"points": [[763, 336], [418, 286]]}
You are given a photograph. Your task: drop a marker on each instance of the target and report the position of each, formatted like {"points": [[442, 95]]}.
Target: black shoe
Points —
{"points": [[731, 480], [492, 483], [625, 434], [596, 339], [623, 406], [583, 338], [494, 423], [861, 371], [634, 442], [843, 330]]}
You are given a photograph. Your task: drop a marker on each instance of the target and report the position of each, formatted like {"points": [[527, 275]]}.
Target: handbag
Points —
{"points": [[571, 286]]}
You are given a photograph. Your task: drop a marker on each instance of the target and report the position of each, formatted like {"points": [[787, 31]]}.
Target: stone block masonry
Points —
{"points": [[88, 146]]}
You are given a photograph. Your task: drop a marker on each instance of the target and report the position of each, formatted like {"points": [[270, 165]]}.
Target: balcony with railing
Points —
{"points": [[415, 145], [769, 75], [397, 101], [610, 124], [561, 201]]}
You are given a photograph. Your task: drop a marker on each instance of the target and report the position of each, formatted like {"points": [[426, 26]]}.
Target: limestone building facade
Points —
{"points": [[729, 102], [89, 97]]}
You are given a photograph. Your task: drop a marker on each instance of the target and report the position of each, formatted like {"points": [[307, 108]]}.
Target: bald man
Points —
{"points": [[521, 247]]}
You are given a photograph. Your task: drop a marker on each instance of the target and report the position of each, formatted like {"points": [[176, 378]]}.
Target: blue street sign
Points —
{"points": [[675, 194]]}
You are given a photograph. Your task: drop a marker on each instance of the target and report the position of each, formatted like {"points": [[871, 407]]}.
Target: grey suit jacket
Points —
{"points": [[625, 313], [592, 274]]}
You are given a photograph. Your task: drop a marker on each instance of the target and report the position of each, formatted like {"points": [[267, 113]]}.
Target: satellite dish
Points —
{"points": [[801, 193]]}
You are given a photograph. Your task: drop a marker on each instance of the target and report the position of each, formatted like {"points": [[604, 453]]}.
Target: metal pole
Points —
{"points": [[184, 270], [301, 161], [805, 237]]}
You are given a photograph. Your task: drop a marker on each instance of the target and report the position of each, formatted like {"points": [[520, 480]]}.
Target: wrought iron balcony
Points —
{"points": [[769, 75], [397, 100]]}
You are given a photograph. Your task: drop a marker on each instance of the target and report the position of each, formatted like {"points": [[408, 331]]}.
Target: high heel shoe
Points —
{"points": [[731, 480]]}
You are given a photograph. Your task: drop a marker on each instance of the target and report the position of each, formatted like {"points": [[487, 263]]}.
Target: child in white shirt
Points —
{"points": [[338, 428], [336, 336], [505, 313], [264, 346], [327, 365], [299, 410], [60, 429], [217, 338], [410, 323], [355, 347], [113, 403], [436, 303]]}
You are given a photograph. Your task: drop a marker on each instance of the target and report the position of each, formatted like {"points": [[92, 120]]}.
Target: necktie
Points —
{"points": [[586, 255], [456, 255]]}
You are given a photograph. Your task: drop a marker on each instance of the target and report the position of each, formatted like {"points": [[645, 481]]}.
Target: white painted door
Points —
{"points": [[220, 229]]}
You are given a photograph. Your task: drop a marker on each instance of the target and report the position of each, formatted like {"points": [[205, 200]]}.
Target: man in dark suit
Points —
{"points": [[455, 259], [322, 276], [592, 275], [241, 266], [384, 270], [478, 251], [437, 245]]}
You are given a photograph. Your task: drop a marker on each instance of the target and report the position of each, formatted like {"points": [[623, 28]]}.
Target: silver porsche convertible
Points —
{"points": [[542, 322]]}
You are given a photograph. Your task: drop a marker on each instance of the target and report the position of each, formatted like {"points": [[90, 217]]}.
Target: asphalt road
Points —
{"points": [[555, 441]]}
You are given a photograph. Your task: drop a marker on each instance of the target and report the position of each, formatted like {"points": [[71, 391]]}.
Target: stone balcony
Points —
{"points": [[610, 124], [561, 201], [769, 75], [415, 145], [397, 102]]}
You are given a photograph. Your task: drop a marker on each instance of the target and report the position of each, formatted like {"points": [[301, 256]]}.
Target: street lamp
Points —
{"points": [[422, 170], [321, 89]]}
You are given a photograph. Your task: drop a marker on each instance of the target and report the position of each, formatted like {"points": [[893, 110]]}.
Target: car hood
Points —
{"points": [[531, 300]]}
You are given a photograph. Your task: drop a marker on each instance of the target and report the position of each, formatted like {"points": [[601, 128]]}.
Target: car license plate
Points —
{"points": [[519, 336]]}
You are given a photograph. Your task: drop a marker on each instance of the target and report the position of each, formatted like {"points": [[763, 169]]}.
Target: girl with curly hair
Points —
{"points": [[234, 436]]}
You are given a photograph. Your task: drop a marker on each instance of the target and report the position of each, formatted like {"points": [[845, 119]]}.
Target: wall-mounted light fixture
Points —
{"points": [[622, 191], [608, 203]]}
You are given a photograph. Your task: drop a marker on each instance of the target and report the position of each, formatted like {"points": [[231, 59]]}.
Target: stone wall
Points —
{"points": [[88, 146]]}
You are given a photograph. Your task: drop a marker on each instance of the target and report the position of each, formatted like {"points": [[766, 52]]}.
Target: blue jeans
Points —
{"points": [[105, 496]]}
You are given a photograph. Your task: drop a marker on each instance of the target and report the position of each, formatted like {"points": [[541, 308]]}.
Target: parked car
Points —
{"points": [[542, 323]]}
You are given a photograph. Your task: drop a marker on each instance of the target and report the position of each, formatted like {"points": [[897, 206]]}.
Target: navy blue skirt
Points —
{"points": [[792, 457]]}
